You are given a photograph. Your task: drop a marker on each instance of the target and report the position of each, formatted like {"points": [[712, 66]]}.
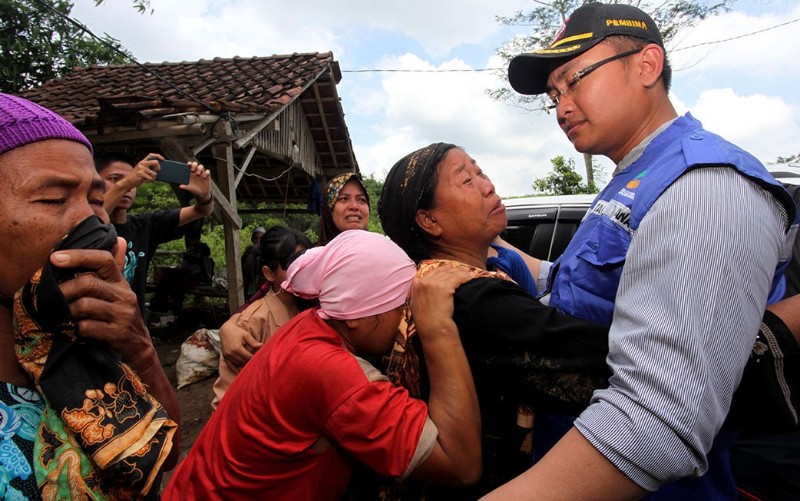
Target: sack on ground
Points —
{"points": [[198, 359]]}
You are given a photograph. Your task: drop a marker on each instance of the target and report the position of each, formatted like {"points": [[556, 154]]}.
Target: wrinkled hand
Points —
{"points": [[102, 304], [238, 345], [432, 301], [199, 182]]}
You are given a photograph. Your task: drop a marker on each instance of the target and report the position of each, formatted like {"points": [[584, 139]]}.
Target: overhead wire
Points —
{"points": [[475, 70]]}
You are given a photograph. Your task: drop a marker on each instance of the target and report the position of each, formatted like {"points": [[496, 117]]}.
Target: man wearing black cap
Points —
{"points": [[678, 254]]}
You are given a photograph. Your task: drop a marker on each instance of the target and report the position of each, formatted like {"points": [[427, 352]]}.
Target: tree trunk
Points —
{"points": [[587, 161]]}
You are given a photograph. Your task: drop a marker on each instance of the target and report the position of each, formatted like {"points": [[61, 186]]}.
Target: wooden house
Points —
{"points": [[266, 127]]}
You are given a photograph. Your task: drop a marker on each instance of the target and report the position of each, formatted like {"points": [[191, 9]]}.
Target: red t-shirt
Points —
{"points": [[295, 418]]}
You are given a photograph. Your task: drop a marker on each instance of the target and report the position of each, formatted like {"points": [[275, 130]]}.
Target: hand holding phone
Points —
{"points": [[172, 172]]}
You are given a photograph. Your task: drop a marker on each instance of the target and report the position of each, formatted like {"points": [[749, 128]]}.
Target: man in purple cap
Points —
{"points": [[678, 255], [50, 188]]}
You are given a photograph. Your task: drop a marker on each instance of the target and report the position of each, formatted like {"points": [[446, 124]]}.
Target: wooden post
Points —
{"points": [[224, 195], [225, 179]]}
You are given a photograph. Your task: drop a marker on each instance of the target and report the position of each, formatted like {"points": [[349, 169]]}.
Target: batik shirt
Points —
{"points": [[20, 411]]}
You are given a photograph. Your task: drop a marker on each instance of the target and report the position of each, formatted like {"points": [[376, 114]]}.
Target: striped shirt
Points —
{"points": [[690, 300]]}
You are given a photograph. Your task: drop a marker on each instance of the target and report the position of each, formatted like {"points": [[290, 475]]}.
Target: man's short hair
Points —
{"points": [[624, 43], [106, 158]]}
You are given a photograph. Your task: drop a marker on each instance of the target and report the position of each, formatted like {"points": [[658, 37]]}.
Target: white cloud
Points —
{"points": [[763, 125], [421, 108], [193, 29], [745, 89], [763, 45], [183, 30]]}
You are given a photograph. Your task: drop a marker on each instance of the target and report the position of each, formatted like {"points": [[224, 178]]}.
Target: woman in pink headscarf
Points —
{"points": [[307, 407]]}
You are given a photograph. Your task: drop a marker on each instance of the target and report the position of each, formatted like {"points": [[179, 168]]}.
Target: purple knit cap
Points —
{"points": [[23, 122]]}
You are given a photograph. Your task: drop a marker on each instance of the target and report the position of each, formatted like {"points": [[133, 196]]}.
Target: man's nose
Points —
{"points": [[487, 188]]}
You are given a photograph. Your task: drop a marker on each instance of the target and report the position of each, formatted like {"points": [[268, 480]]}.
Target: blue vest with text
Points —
{"points": [[587, 275]]}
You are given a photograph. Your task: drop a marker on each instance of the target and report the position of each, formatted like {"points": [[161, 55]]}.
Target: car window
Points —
{"points": [[543, 232]]}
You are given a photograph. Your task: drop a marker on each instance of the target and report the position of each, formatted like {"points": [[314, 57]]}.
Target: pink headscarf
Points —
{"points": [[358, 274]]}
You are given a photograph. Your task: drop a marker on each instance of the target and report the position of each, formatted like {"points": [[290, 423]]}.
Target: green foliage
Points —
{"points": [[38, 43], [562, 180], [141, 6], [374, 187], [160, 196], [788, 160]]}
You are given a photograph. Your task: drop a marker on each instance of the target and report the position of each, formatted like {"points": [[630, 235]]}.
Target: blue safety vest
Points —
{"points": [[587, 274], [585, 278]]}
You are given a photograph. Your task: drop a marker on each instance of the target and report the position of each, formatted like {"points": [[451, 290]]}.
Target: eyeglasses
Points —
{"points": [[573, 84]]}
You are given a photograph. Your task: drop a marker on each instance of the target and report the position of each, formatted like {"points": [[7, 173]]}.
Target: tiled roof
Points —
{"points": [[107, 94], [120, 107]]}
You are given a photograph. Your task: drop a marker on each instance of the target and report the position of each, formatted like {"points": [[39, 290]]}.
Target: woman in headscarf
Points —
{"points": [[346, 207], [443, 211], [438, 206], [254, 325], [86, 411], [307, 406]]}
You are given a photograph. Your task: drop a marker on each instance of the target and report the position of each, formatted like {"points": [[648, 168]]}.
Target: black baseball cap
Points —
{"points": [[586, 27]]}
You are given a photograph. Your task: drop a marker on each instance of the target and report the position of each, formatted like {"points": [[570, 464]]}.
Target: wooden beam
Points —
{"points": [[324, 120], [243, 167], [99, 136], [251, 133], [224, 156], [275, 210], [226, 211]]}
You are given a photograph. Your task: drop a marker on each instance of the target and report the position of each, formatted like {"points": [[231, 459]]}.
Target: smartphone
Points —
{"points": [[173, 172]]}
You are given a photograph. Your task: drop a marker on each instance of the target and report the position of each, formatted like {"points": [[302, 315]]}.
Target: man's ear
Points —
{"points": [[426, 220], [268, 274], [652, 64]]}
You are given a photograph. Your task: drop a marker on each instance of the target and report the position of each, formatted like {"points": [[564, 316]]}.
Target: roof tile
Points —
{"points": [[104, 94]]}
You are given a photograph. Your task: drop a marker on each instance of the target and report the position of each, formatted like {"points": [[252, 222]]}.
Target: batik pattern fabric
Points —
{"points": [[403, 368], [20, 413], [101, 435], [336, 184]]}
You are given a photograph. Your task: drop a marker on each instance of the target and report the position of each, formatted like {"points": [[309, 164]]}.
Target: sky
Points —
{"points": [[745, 88]]}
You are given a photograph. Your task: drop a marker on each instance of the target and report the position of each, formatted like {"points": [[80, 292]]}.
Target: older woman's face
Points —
{"points": [[49, 187], [351, 209], [466, 205]]}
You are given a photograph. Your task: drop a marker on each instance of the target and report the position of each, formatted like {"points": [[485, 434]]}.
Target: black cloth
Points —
{"points": [[502, 326], [793, 271], [251, 271], [197, 262], [84, 381], [768, 397], [767, 465], [196, 268], [144, 233], [521, 352], [766, 458]]}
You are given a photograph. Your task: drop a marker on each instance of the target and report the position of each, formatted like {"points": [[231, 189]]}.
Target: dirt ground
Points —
{"points": [[195, 399]]}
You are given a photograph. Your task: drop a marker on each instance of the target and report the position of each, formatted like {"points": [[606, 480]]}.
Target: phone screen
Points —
{"points": [[173, 172]]}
